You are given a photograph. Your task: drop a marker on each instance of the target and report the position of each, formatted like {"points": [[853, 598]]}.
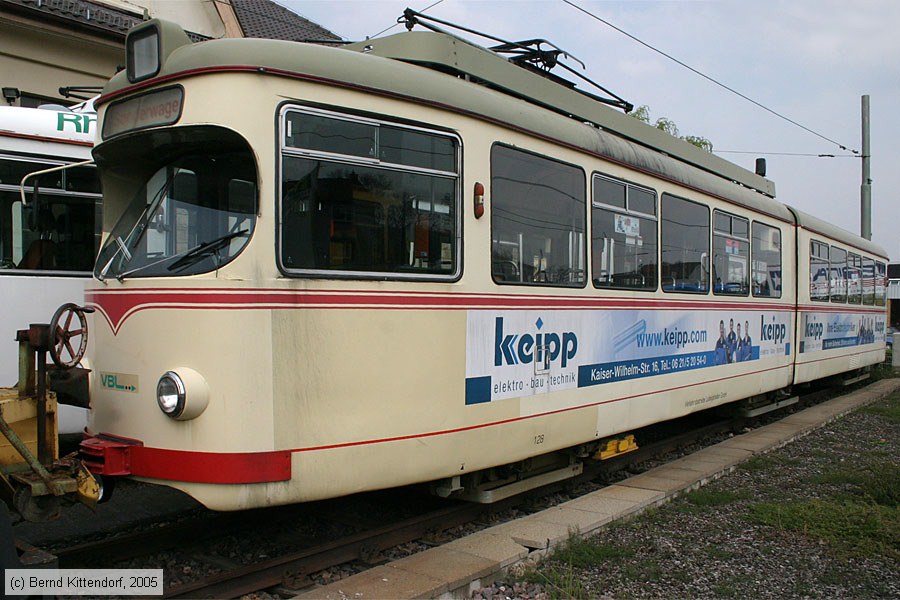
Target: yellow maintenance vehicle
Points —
{"points": [[34, 481]]}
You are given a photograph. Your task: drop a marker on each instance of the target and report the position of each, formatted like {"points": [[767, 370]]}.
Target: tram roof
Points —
{"points": [[448, 53], [428, 67], [817, 226]]}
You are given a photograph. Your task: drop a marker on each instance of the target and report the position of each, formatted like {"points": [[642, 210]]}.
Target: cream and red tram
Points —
{"points": [[328, 270]]}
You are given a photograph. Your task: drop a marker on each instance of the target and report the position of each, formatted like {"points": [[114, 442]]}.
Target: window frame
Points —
{"points": [[583, 255], [880, 275], [854, 265], [839, 298], [813, 244], [730, 235], [753, 224], [868, 290], [662, 229], [340, 114], [626, 210]]}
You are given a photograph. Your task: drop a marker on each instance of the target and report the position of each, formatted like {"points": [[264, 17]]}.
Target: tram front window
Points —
{"points": [[191, 216]]}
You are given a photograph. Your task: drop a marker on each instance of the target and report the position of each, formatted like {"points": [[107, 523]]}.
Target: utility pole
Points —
{"points": [[865, 190]]}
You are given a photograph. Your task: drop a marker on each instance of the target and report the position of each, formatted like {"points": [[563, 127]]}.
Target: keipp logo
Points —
{"points": [[524, 348], [813, 329], [772, 332]]}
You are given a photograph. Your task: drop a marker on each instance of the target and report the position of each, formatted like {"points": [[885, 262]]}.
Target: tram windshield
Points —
{"points": [[191, 215]]}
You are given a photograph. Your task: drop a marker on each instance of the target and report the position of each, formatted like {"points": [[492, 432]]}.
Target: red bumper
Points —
{"points": [[115, 456]]}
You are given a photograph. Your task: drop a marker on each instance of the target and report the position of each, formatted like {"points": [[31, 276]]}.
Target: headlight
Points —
{"points": [[182, 394], [170, 394]]}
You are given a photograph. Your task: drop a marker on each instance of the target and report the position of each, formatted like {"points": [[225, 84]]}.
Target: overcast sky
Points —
{"points": [[809, 60]]}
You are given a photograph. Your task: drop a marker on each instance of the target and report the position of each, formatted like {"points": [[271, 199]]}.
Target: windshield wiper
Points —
{"points": [[205, 249], [137, 232], [188, 257], [121, 248]]}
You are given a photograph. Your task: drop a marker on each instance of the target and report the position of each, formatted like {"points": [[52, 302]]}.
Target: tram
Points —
{"points": [[415, 260], [50, 206]]}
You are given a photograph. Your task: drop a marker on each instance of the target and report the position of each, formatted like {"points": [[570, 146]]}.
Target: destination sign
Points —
{"points": [[162, 107]]}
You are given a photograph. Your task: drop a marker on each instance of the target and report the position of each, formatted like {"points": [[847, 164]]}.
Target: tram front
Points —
{"points": [[178, 377]]}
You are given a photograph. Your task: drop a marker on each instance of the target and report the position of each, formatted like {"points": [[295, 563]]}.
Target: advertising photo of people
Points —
{"points": [[735, 346], [721, 346]]}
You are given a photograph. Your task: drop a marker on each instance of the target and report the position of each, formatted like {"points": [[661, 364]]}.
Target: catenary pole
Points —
{"points": [[865, 192]]}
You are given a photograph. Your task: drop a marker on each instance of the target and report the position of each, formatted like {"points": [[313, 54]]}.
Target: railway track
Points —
{"points": [[355, 535]]}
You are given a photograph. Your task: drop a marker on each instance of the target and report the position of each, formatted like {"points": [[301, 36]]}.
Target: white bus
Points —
{"points": [[49, 240]]}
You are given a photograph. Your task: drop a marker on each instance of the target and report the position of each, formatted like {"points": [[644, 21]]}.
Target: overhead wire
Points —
{"points": [[708, 78], [788, 154], [855, 153]]}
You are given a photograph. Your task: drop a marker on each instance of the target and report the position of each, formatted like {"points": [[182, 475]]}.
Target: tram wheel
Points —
{"points": [[36, 509], [107, 487]]}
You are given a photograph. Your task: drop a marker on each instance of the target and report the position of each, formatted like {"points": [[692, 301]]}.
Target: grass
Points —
{"points": [[852, 528], [878, 483], [856, 512], [560, 581], [559, 573], [701, 499], [889, 409], [863, 519], [882, 485], [766, 462], [584, 553], [883, 370], [839, 477]]}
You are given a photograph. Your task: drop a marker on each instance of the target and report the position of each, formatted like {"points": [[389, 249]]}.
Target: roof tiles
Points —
{"points": [[258, 18], [266, 19]]}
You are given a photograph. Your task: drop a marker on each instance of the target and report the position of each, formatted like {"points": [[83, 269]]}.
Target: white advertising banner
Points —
{"points": [[512, 354], [826, 330]]}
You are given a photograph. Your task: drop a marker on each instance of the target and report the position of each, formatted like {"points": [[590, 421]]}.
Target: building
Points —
{"points": [[79, 44], [893, 294]]}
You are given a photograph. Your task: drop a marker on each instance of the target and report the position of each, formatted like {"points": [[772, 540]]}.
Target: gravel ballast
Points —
{"points": [[736, 537]]}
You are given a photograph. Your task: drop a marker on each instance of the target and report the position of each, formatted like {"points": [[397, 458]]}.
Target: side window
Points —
{"points": [[59, 232], [685, 246], [731, 254], [537, 220], [623, 238], [880, 283], [868, 281], [838, 281], [765, 252], [854, 279], [362, 198], [818, 271]]}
